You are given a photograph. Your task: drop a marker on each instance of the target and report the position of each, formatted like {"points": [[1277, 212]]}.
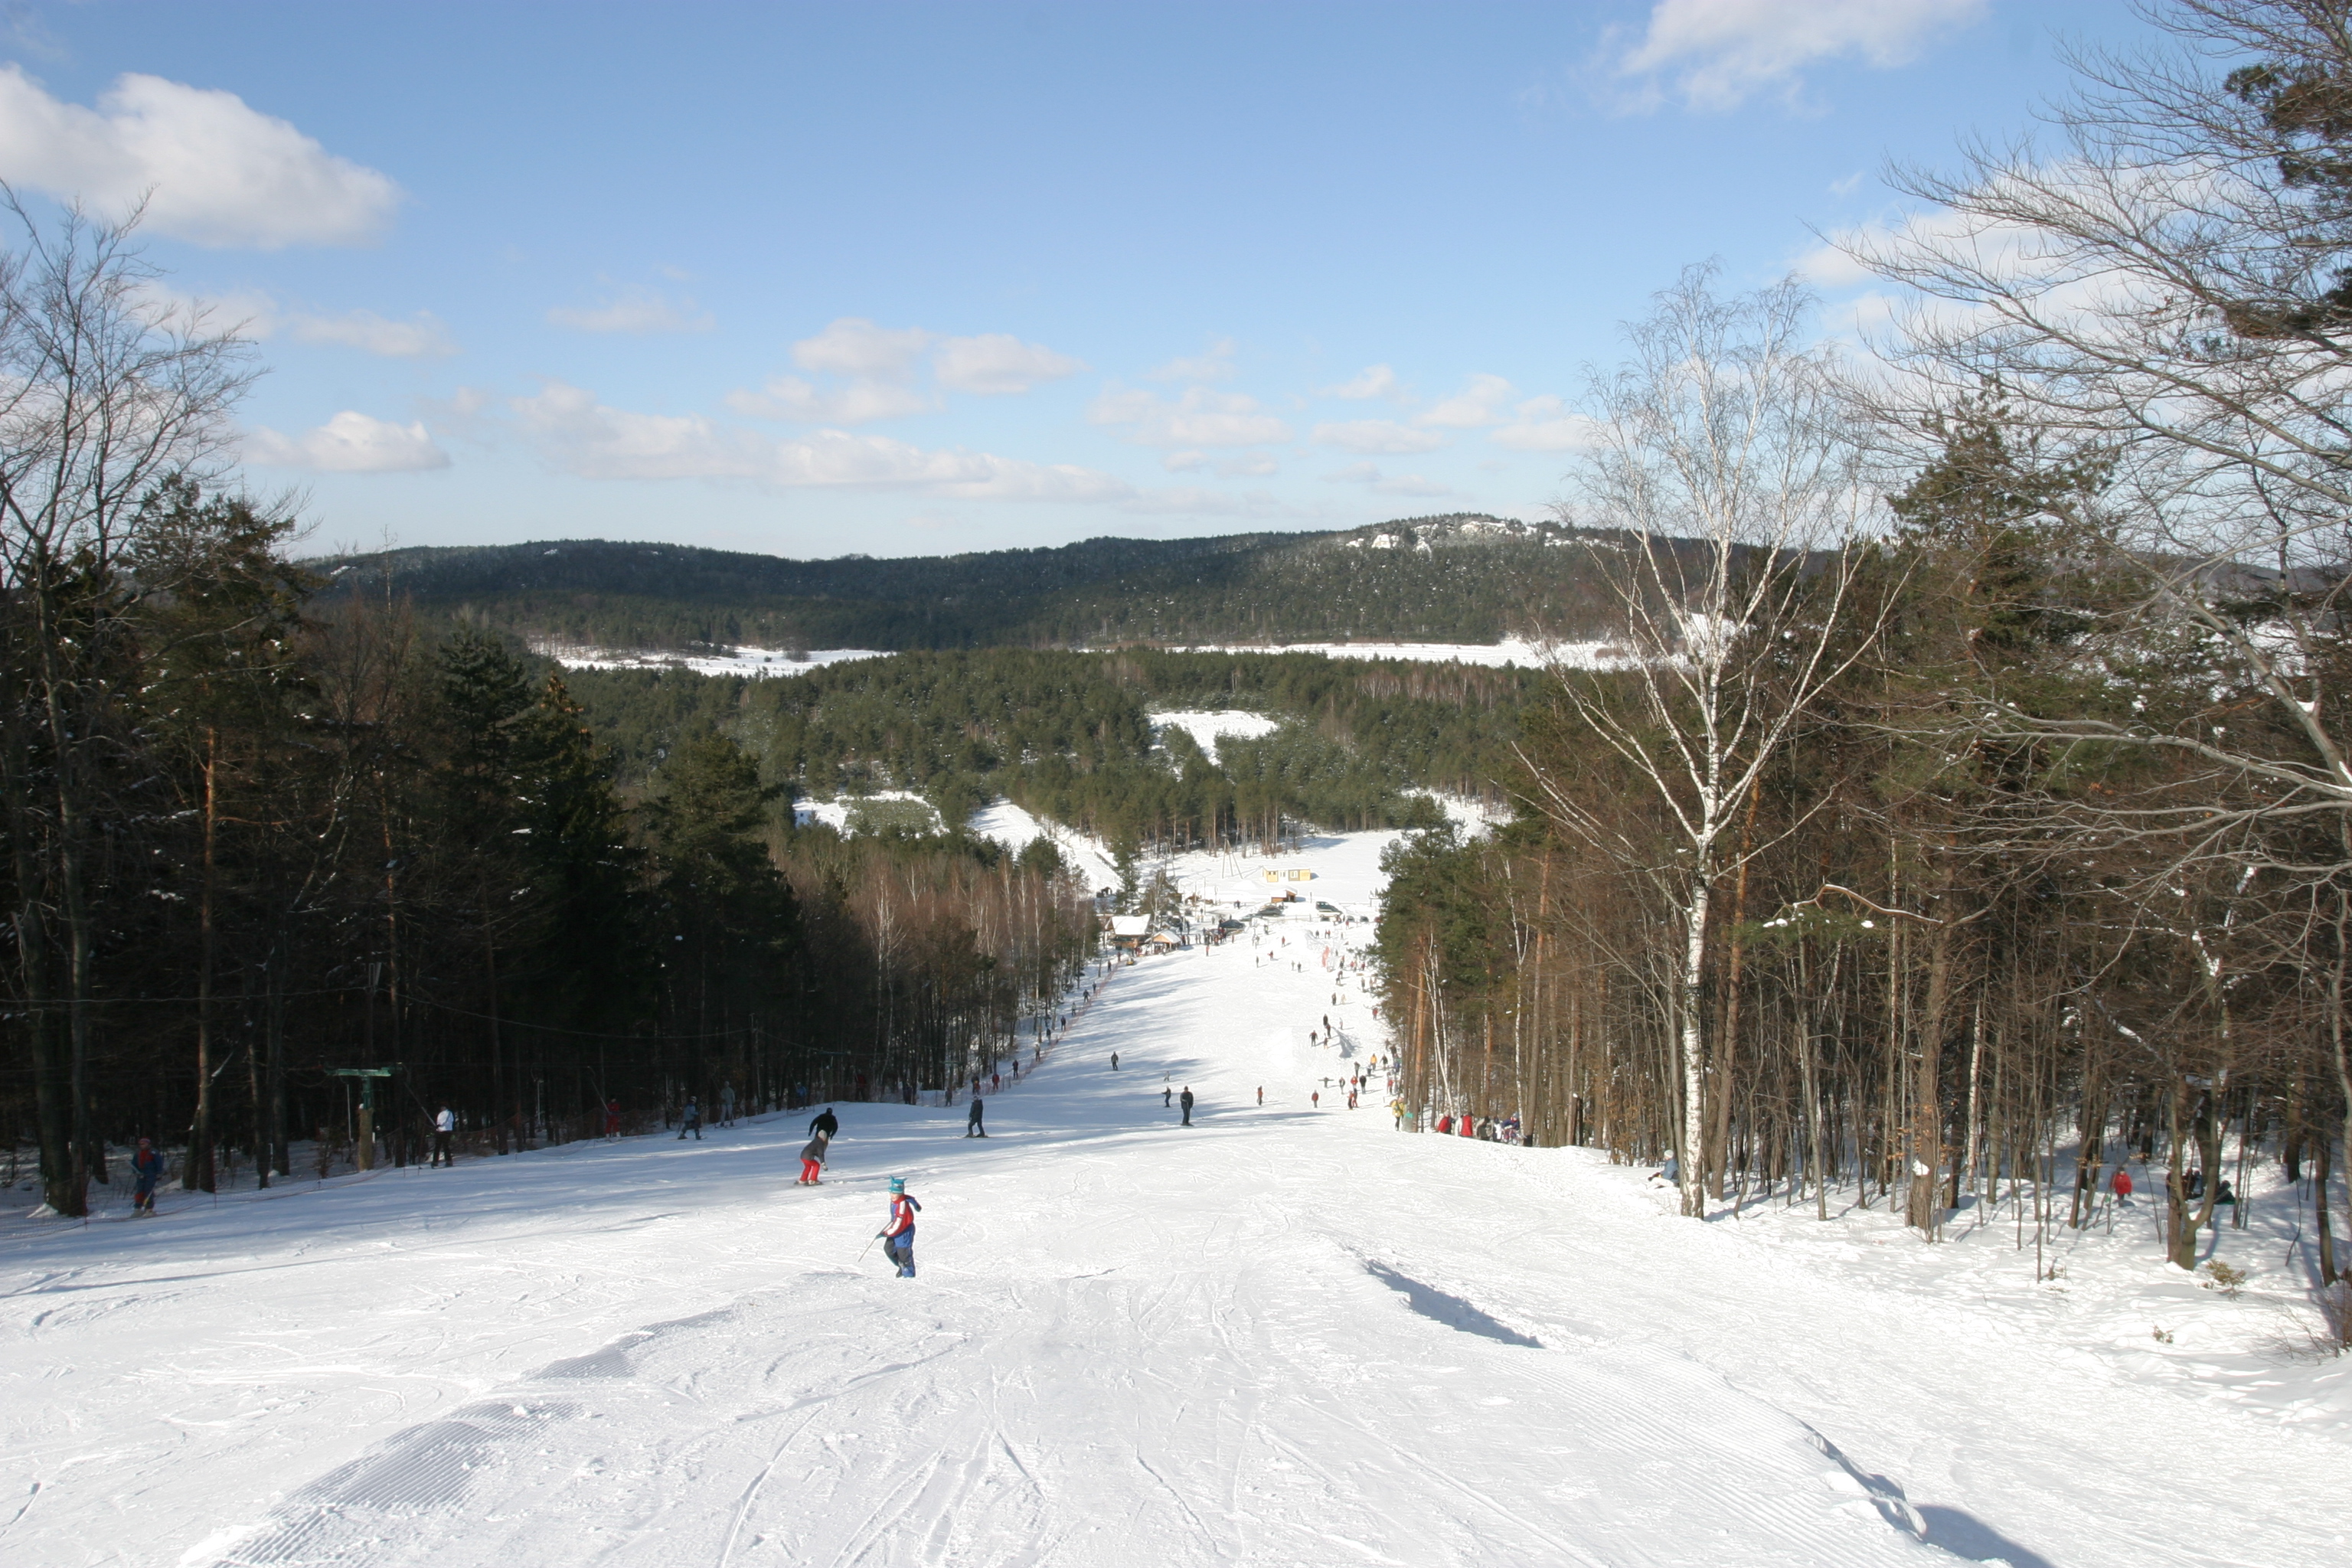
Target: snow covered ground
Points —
{"points": [[1283, 1336], [1517, 651], [1206, 727], [757, 663]]}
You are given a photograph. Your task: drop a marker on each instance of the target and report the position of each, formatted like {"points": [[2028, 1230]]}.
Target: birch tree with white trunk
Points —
{"points": [[1722, 498]]}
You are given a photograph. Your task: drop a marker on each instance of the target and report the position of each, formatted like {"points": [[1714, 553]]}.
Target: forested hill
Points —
{"points": [[1457, 578]]}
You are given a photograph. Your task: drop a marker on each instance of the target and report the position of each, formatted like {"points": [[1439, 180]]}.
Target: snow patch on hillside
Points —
{"points": [[757, 663], [836, 814], [1511, 653], [1205, 727], [1015, 828]]}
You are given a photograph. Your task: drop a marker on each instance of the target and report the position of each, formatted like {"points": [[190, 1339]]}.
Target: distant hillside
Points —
{"points": [[1456, 578]]}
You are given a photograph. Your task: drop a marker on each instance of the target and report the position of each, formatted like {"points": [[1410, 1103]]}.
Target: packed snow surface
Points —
{"points": [[1285, 1335]]}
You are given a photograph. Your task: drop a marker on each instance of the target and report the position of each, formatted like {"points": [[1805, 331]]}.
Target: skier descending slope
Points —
{"points": [[826, 1122], [899, 1239]]}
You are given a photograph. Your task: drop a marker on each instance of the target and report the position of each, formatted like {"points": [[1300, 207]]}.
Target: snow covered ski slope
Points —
{"points": [[1283, 1336]]}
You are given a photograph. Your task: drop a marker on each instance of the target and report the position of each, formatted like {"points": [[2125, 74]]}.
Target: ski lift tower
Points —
{"points": [[367, 1077]]}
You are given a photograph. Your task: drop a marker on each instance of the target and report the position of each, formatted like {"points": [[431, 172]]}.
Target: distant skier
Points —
{"points": [[444, 1127], [2122, 1187], [898, 1237], [826, 1122], [1316, 1098], [691, 1121], [971, 1127], [1261, 1094], [727, 1105], [1185, 1100], [147, 1168], [1167, 1092], [1114, 1061], [612, 1122], [812, 1162]]}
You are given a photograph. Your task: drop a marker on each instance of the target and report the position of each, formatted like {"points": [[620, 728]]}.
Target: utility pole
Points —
{"points": [[365, 1152]]}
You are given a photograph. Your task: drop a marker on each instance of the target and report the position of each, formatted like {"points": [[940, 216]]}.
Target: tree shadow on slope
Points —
{"points": [[1452, 1311]]}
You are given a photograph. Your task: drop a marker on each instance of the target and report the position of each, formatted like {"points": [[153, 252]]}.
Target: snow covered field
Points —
{"points": [[1283, 1336], [759, 663]]}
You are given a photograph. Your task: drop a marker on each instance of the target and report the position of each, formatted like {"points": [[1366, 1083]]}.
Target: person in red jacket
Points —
{"points": [[898, 1237], [146, 1165], [612, 1119], [2121, 1185]]}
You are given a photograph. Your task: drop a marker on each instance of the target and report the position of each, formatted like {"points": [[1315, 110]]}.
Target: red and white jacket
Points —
{"points": [[903, 1210]]}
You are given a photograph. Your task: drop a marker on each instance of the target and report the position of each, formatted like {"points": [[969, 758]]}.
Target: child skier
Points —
{"points": [[813, 1161], [899, 1239]]}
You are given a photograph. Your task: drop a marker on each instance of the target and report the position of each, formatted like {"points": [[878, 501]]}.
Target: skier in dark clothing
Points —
{"points": [[1114, 1061], [971, 1127], [692, 1121], [897, 1238], [1165, 1092], [813, 1161], [1186, 1101], [147, 1166], [826, 1122]]}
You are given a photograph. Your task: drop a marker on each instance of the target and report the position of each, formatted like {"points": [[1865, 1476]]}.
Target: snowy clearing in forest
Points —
{"points": [[1510, 651], [1285, 1335], [757, 663], [840, 813], [1206, 727], [1015, 828]]}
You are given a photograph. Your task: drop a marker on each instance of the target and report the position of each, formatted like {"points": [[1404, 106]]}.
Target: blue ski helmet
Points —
{"points": [[897, 1185]]}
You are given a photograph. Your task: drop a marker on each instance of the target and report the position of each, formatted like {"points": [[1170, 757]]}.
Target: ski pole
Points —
{"points": [[869, 1246]]}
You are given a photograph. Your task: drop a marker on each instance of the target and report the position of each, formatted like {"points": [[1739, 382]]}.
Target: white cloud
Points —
{"points": [[1544, 425], [1249, 465], [349, 443], [1849, 184], [421, 336], [1201, 418], [213, 170], [635, 310], [1478, 402], [576, 432], [1216, 365], [856, 346], [1369, 475], [1722, 52], [1377, 435], [790, 397], [1372, 381], [996, 363], [259, 317]]}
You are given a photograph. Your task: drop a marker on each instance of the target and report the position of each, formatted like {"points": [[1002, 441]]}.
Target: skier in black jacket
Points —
{"points": [[1185, 1100], [826, 1122]]}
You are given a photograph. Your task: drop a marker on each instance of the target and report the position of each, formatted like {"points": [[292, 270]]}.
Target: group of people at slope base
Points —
{"points": [[1491, 1130]]}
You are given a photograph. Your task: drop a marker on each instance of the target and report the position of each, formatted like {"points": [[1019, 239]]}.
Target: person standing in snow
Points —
{"points": [[1185, 1100], [146, 1169], [691, 1121], [1114, 1061], [826, 1122], [726, 1105], [812, 1162], [897, 1238], [2121, 1186], [612, 1122], [1167, 1092], [444, 1126], [971, 1127]]}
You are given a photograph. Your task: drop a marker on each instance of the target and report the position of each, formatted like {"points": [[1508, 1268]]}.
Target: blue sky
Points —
{"points": [[908, 279]]}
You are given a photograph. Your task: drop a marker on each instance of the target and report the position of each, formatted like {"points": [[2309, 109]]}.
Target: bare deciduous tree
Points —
{"points": [[1725, 478]]}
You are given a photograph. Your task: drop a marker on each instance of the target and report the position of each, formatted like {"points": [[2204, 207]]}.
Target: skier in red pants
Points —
{"points": [[813, 1161]]}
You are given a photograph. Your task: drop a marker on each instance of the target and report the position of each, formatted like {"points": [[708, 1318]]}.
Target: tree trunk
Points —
{"points": [[196, 1174], [1694, 1063]]}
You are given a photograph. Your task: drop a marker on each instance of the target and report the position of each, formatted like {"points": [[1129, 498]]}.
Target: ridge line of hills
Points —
{"points": [[1456, 577]]}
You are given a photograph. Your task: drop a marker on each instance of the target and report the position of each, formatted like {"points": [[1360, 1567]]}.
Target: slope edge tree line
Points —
{"points": [[1978, 812], [253, 838]]}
